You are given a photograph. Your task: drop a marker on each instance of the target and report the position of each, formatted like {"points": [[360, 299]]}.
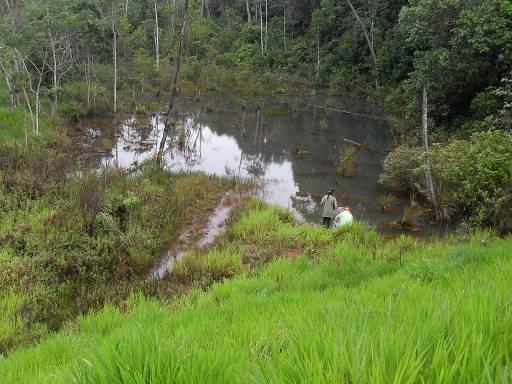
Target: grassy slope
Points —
{"points": [[66, 246], [345, 311]]}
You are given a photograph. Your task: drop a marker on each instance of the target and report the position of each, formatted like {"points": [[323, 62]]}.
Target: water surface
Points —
{"points": [[290, 144]]}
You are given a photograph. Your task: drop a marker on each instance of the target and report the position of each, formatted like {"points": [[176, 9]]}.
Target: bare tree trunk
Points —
{"points": [[202, 9], [54, 71], [266, 25], [38, 105], [368, 41], [168, 120], [54, 57], [126, 9], [115, 58], [261, 29], [88, 80], [317, 53], [37, 92], [249, 16], [30, 110], [207, 5], [25, 129], [157, 37], [284, 27], [10, 87], [428, 161]]}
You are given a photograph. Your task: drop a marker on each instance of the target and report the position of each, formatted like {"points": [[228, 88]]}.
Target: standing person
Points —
{"points": [[328, 206], [344, 218]]}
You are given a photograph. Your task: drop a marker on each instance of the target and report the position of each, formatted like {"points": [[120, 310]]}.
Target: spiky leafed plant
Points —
{"points": [[447, 207], [386, 202], [411, 216]]}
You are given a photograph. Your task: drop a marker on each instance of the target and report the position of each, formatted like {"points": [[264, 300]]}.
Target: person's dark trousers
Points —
{"points": [[327, 222]]}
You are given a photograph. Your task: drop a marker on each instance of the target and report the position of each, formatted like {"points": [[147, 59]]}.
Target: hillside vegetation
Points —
{"points": [[71, 240], [324, 307]]}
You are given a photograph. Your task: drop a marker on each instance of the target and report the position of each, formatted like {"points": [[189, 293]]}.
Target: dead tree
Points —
{"points": [[261, 29], [6, 66], [114, 53], [157, 37], [367, 37], [428, 162], [249, 16], [168, 120]]}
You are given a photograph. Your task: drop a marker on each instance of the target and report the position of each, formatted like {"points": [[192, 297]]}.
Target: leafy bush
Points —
{"points": [[479, 169], [400, 169], [72, 111], [473, 175]]}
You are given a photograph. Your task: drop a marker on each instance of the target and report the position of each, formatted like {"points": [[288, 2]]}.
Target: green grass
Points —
{"points": [[14, 124], [71, 244], [349, 308]]}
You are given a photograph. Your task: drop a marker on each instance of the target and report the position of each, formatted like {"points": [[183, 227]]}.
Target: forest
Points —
{"points": [[81, 52], [162, 166]]}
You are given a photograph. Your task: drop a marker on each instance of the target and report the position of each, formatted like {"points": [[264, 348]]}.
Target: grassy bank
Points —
{"points": [[302, 305], [17, 126], [71, 241]]}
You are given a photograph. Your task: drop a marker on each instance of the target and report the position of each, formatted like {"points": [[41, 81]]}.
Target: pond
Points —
{"points": [[291, 144]]}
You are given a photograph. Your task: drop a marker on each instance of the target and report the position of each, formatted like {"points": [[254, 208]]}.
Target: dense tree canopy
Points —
{"points": [[461, 50]]}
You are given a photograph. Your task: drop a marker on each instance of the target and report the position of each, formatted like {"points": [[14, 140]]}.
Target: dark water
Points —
{"points": [[287, 143]]}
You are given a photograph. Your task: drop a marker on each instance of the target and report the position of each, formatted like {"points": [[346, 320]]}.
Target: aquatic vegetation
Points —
{"points": [[447, 207], [346, 162], [275, 111], [142, 108], [323, 125], [386, 202], [410, 216]]}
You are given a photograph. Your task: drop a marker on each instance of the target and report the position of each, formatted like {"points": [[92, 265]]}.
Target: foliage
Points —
{"points": [[70, 242], [400, 169], [73, 111], [469, 174], [347, 161], [386, 202], [459, 49], [394, 308]]}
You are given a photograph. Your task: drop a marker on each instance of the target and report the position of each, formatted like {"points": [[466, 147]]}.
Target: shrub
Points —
{"points": [[346, 162], [400, 169], [386, 202], [478, 170], [470, 176], [72, 111]]}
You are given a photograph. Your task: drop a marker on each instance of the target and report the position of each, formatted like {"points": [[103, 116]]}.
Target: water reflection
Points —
{"points": [[292, 149]]}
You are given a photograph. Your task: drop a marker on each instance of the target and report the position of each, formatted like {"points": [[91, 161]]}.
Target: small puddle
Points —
{"points": [[187, 242]]}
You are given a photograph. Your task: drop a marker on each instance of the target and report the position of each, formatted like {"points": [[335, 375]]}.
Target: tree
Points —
{"points": [[179, 59], [368, 41]]}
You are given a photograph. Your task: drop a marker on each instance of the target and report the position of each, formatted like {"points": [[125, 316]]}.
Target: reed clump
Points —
{"points": [[346, 162]]}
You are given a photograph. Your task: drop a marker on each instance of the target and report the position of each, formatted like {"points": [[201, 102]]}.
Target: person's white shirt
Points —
{"points": [[344, 218]]}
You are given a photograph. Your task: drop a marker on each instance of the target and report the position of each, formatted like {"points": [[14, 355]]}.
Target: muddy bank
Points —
{"points": [[200, 235]]}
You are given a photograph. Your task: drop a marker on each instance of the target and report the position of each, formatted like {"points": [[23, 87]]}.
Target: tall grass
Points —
{"points": [[13, 126], [70, 243], [345, 310], [346, 162]]}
